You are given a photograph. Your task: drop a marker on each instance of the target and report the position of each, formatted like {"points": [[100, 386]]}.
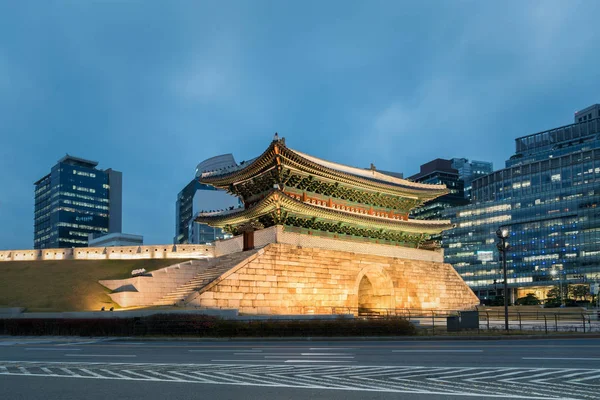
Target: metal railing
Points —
{"points": [[542, 321]]}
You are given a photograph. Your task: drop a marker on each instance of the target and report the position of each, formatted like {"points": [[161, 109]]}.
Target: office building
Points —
{"points": [[74, 200], [468, 171], [196, 197], [439, 171], [548, 197]]}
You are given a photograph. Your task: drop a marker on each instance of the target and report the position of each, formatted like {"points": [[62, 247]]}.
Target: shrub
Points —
{"points": [[205, 326]]}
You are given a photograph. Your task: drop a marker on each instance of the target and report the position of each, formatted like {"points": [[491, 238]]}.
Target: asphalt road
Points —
{"points": [[55, 368]]}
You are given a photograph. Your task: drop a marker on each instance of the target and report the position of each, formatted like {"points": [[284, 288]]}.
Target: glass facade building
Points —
{"points": [[548, 197], [468, 171], [196, 197], [75, 200], [439, 171]]}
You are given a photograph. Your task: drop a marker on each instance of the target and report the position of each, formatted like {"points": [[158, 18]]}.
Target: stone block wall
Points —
{"points": [[111, 253], [291, 279], [279, 234]]}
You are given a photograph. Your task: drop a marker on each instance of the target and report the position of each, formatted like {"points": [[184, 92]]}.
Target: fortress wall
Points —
{"points": [[111, 253], [289, 279]]}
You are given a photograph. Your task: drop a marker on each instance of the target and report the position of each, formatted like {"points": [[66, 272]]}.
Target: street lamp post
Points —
{"points": [[503, 246]]}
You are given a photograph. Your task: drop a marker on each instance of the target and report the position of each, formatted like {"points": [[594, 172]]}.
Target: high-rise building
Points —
{"points": [[74, 200], [196, 197], [548, 197], [468, 171], [439, 171]]}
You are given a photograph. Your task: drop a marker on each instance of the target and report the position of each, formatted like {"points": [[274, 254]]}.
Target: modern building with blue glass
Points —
{"points": [[196, 197], [548, 197], [74, 200], [439, 171]]}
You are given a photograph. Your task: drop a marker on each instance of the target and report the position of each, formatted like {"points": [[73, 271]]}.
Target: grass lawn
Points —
{"points": [[70, 285]]}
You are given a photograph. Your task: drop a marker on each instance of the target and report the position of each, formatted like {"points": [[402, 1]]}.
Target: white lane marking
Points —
{"points": [[399, 390], [204, 364], [78, 343], [100, 355], [164, 376], [218, 376], [108, 371], [24, 371], [321, 357], [584, 379], [221, 351], [68, 371], [349, 368], [49, 349], [460, 375], [145, 377], [332, 348], [47, 370], [324, 354], [562, 358], [195, 378], [87, 371], [318, 361], [246, 361], [439, 351]]}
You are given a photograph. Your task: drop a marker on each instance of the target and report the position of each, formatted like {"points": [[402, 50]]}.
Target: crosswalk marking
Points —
{"points": [[488, 382], [68, 371]]}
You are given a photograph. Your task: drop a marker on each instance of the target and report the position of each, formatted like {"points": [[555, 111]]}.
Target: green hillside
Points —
{"points": [[70, 285]]}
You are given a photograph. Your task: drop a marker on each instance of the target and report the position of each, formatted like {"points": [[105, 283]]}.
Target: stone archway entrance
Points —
{"points": [[375, 292]]}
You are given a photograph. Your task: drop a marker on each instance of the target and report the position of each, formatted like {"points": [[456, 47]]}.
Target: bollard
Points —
{"points": [[556, 322], [519, 316], [487, 315], [545, 324], [583, 316], [433, 320]]}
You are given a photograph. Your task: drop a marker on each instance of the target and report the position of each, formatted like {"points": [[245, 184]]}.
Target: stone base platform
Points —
{"points": [[287, 279], [296, 273]]}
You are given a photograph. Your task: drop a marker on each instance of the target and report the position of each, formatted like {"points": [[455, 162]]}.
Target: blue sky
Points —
{"points": [[151, 88]]}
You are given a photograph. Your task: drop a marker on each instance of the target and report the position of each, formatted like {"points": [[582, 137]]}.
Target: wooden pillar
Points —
{"points": [[247, 229], [248, 240]]}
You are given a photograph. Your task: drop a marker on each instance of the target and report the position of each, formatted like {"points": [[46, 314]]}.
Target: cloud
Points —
{"points": [[500, 61]]}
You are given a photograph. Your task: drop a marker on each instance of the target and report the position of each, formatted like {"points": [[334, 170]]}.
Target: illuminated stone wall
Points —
{"points": [[291, 279], [280, 234], [111, 253]]}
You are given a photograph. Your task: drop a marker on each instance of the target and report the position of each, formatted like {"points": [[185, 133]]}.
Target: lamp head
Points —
{"points": [[502, 233]]}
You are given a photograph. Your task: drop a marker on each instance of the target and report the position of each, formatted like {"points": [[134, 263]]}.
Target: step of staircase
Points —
{"points": [[214, 269]]}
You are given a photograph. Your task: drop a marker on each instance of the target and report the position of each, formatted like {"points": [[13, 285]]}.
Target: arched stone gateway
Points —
{"points": [[291, 276], [375, 291]]}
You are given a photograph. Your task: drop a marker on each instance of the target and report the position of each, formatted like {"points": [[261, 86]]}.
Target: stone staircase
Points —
{"points": [[213, 269], [145, 289]]}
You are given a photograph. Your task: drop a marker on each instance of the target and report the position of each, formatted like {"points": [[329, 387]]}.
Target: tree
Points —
{"points": [[530, 299], [554, 297], [579, 291]]}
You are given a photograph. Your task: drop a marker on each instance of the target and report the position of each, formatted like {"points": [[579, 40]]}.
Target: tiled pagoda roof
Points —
{"points": [[278, 154], [278, 200]]}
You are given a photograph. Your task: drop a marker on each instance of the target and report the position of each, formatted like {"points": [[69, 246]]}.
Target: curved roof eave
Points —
{"points": [[269, 203], [366, 178]]}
